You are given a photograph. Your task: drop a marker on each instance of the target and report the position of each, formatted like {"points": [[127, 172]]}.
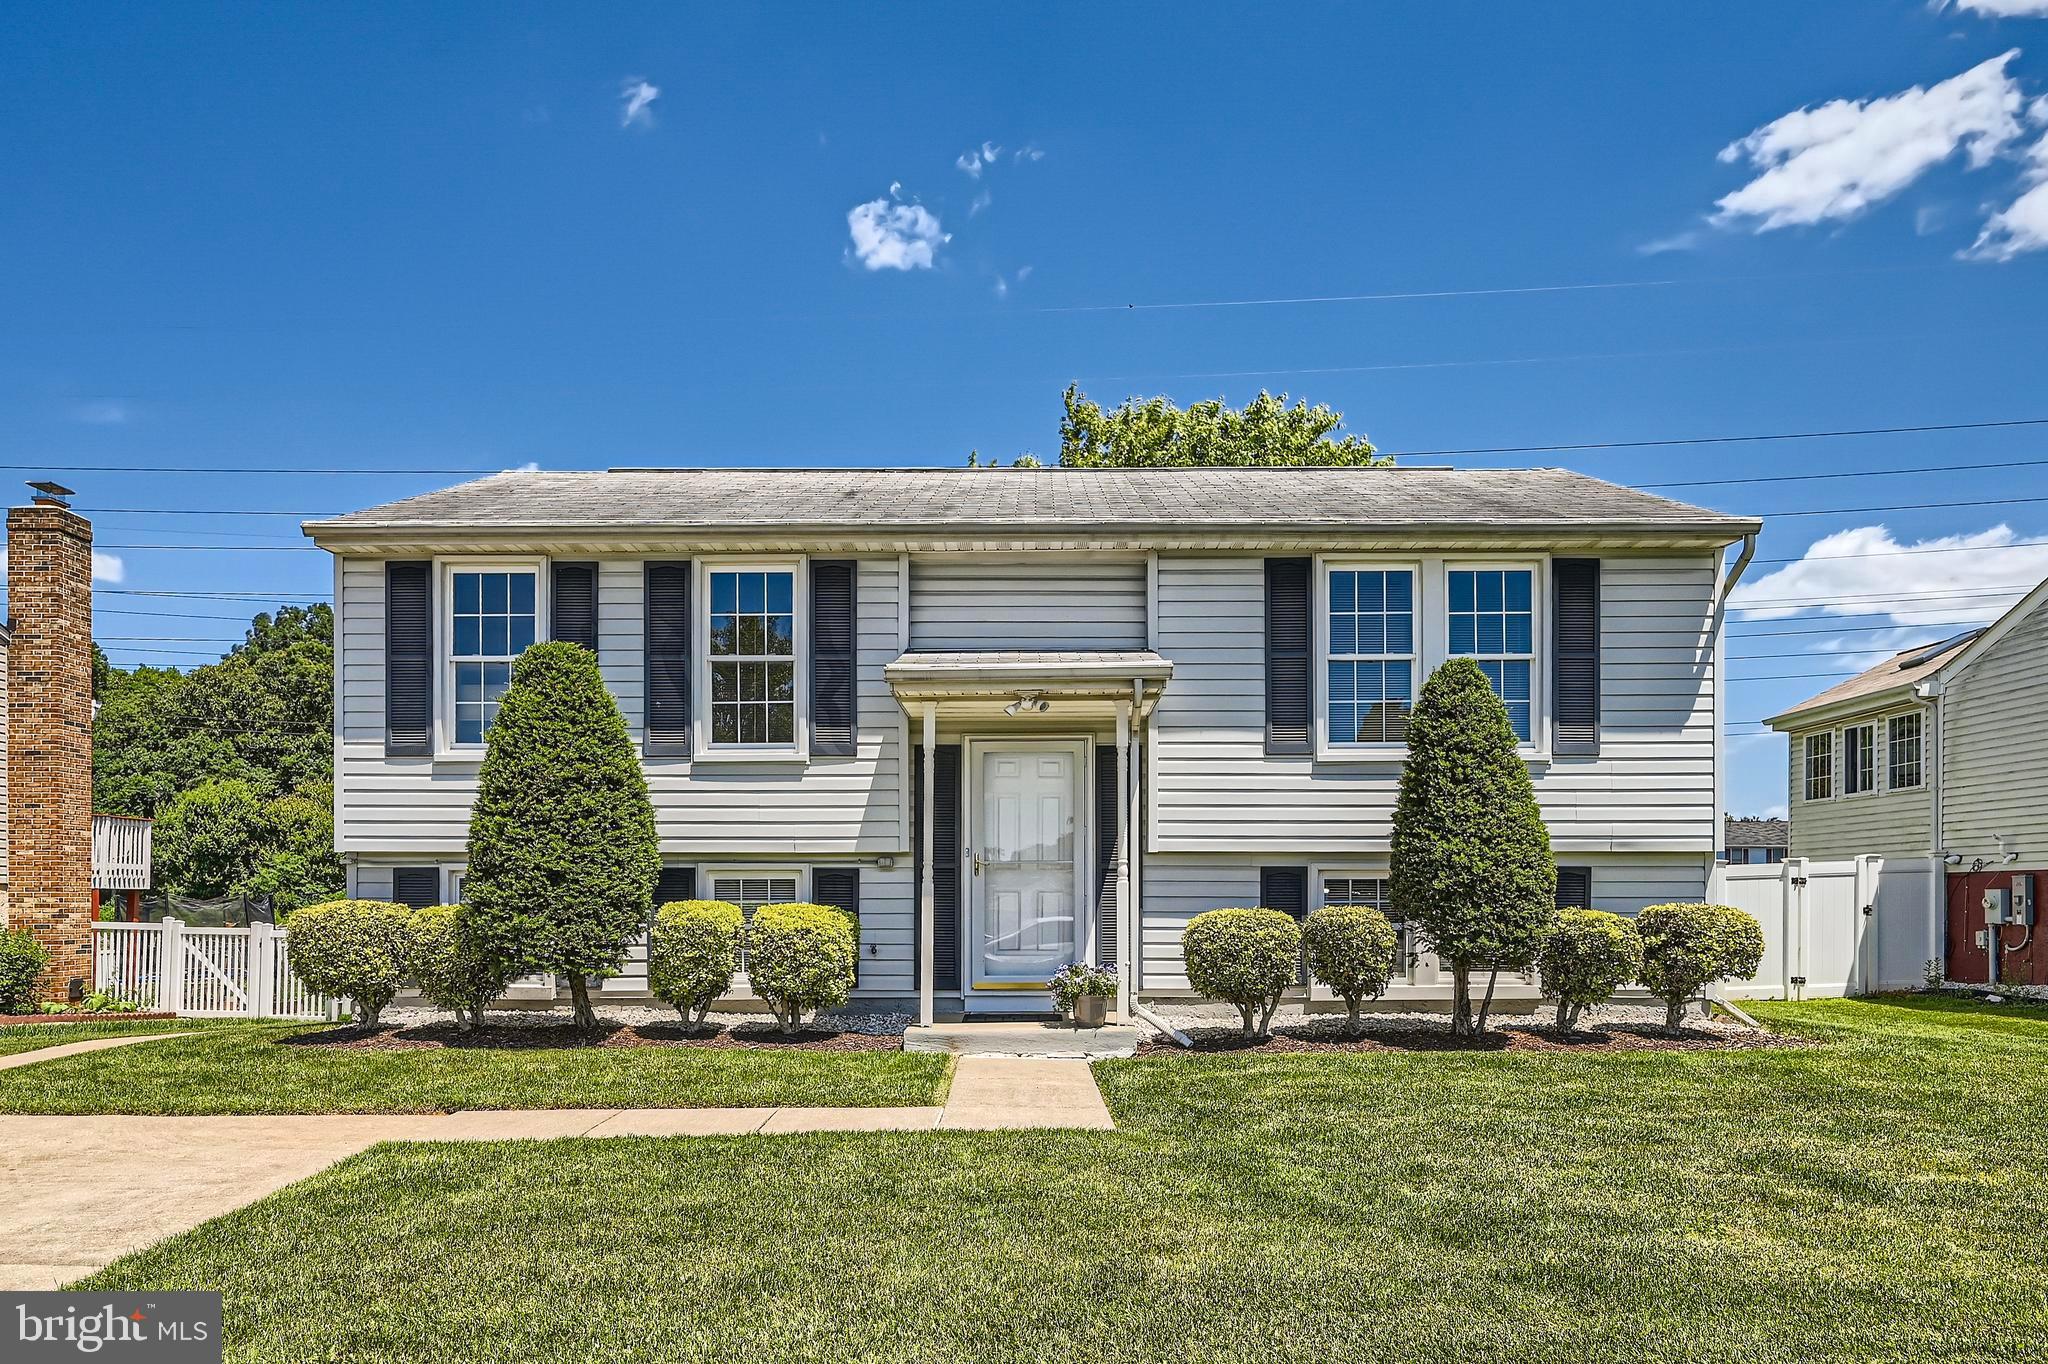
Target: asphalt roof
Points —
{"points": [[1755, 833], [742, 498], [1907, 665]]}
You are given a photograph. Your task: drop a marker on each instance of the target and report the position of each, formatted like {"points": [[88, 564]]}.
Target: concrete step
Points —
{"points": [[1024, 1039]]}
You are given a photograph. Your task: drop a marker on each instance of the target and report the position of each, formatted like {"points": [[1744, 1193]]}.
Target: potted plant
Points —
{"points": [[1084, 992]]}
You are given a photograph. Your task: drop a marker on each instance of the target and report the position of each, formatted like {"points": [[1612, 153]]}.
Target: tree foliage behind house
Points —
{"points": [[1155, 433], [235, 760]]}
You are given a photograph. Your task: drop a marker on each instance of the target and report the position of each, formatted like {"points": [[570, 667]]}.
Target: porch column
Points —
{"points": [[1127, 970], [927, 893]]}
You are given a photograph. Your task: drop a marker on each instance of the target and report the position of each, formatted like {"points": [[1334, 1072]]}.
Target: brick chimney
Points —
{"points": [[49, 728]]}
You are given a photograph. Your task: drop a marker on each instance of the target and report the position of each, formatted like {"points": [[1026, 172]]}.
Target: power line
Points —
{"points": [[1891, 553], [1845, 629], [1846, 473]]}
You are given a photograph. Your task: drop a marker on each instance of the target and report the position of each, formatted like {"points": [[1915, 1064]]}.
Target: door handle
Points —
{"points": [[977, 864]]}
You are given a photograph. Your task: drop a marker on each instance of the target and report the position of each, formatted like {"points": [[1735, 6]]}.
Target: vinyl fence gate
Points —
{"points": [[1851, 927], [203, 972]]}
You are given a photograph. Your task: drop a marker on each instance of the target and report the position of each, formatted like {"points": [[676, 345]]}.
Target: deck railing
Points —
{"points": [[121, 848]]}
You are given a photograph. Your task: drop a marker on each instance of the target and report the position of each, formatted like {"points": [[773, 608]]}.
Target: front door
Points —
{"points": [[1026, 853]]}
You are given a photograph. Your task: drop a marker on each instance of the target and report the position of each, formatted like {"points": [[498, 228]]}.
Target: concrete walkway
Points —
{"points": [[82, 1191], [63, 1049]]}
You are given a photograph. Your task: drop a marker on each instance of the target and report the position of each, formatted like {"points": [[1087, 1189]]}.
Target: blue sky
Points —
{"points": [[447, 237]]}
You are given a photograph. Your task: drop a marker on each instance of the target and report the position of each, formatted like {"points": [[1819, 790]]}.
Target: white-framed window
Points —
{"points": [[1371, 889], [1490, 617], [1819, 766], [1859, 759], [1904, 767], [491, 613], [750, 888], [751, 681], [1370, 653]]}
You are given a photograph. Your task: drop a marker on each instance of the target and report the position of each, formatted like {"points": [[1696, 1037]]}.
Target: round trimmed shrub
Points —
{"points": [[800, 958], [451, 965], [351, 949], [1587, 957], [1688, 947], [1350, 948], [692, 952], [1245, 957], [22, 963]]}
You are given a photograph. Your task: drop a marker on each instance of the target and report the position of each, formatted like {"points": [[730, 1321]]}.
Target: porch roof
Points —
{"points": [[1109, 673]]}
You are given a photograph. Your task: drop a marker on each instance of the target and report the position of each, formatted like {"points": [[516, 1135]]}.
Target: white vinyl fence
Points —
{"points": [[203, 972], [1835, 928]]}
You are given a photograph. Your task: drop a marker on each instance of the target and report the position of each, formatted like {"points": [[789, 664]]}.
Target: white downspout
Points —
{"points": [[1729, 578], [1932, 692]]}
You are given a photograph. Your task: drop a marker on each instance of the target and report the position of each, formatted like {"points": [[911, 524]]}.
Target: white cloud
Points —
{"points": [[981, 201], [1030, 151], [1002, 287], [636, 102], [895, 236], [105, 412], [1831, 162], [1860, 573], [975, 158], [2022, 225], [108, 568], [1689, 240], [532, 466], [2006, 9], [1024, 272]]}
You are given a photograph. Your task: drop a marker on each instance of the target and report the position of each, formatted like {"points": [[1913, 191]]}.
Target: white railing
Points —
{"points": [[203, 972], [121, 849]]}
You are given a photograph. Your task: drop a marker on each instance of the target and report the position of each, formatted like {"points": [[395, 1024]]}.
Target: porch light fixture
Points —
{"points": [[1028, 701]]}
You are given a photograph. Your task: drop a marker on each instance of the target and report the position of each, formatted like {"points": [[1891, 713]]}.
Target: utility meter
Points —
{"points": [[1997, 905], [2019, 907]]}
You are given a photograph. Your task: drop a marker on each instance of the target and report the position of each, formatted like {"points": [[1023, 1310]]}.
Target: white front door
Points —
{"points": [[1026, 853]]}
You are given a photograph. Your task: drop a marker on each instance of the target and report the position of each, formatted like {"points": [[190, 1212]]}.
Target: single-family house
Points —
{"points": [[1754, 841], [1021, 717], [1933, 754]]}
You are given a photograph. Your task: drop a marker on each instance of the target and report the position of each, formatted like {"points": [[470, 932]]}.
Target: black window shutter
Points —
{"points": [[668, 658], [840, 888], [834, 702], [408, 657], [1574, 887], [1286, 889], [1108, 829], [572, 614], [416, 887], [1289, 638], [1575, 661], [945, 858], [673, 884]]}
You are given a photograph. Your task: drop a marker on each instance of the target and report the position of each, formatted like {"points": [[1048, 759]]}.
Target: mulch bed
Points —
{"points": [[1327, 1036], [9, 1019], [437, 1036]]}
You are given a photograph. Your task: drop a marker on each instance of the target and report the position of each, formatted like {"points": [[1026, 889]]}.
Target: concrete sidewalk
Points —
{"points": [[82, 1191], [63, 1049]]}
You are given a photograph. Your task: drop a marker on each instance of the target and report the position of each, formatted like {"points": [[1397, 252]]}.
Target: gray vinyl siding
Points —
{"points": [[1886, 822], [888, 943], [1179, 886], [1651, 788], [1995, 747], [1045, 601], [419, 807]]}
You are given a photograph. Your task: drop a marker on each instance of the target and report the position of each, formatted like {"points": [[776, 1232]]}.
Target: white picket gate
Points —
{"points": [[203, 972], [1833, 928]]}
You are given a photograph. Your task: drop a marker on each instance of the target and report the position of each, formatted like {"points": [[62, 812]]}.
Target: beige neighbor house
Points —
{"points": [[1935, 753], [1018, 718]]}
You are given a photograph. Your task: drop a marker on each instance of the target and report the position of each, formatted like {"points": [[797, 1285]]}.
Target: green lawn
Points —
{"points": [[30, 1036], [251, 1069], [1876, 1197]]}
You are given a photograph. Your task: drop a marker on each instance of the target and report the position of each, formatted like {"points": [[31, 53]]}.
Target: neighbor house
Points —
{"points": [[1934, 753], [1021, 717], [1754, 842]]}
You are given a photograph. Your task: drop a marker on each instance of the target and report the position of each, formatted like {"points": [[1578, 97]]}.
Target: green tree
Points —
{"points": [[1471, 865], [223, 838], [1156, 433], [562, 849]]}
